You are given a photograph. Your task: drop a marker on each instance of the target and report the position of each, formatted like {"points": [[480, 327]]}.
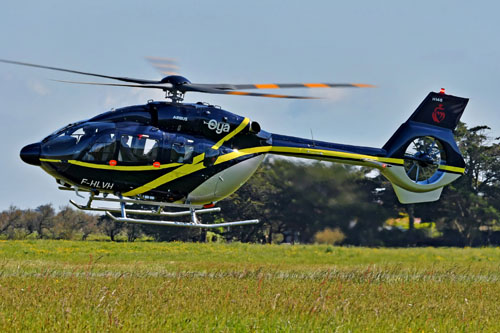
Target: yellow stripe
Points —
{"points": [[181, 171], [49, 160], [117, 168], [335, 154], [306, 151], [242, 152], [198, 159], [233, 133], [123, 167], [190, 168], [186, 169], [247, 151], [451, 168]]}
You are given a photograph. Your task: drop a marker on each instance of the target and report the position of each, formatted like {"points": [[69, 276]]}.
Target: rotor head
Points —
{"points": [[175, 80]]}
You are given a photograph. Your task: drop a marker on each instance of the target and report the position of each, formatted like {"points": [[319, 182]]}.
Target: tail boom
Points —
{"points": [[424, 143]]}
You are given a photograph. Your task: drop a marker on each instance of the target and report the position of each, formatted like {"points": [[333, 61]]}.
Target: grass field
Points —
{"points": [[102, 286]]}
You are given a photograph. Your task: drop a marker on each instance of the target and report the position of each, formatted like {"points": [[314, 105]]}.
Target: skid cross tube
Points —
{"points": [[122, 211], [144, 212], [181, 224], [147, 202]]}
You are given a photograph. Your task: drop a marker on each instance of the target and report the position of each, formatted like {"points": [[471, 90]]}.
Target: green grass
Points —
{"points": [[102, 286]]}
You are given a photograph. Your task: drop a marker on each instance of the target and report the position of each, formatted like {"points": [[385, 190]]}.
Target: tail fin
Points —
{"points": [[440, 110], [426, 145]]}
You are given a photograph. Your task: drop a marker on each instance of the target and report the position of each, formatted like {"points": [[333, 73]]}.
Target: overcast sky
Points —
{"points": [[406, 48]]}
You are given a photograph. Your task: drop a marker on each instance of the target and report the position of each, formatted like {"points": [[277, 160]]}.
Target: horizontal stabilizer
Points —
{"points": [[408, 197]]}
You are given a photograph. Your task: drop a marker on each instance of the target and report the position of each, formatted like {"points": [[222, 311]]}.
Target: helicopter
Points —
{"points": [[169, 155]]}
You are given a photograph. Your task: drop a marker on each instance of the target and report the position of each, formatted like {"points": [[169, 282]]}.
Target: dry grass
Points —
{"points": [[329, 236], [94, 286]]}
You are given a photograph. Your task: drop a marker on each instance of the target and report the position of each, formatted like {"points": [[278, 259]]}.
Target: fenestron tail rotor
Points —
{"points": [[422, 159], [175, 86]]}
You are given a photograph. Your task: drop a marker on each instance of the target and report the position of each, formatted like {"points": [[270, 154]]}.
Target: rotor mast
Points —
{"points": [[174, 95]]}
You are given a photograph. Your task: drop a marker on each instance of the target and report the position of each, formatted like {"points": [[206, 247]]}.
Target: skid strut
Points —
{"points": [[123, 211]]}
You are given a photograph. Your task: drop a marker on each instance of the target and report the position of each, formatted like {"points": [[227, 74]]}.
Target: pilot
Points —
{"points": [[81, 141], [89, 131], [102, 150]]}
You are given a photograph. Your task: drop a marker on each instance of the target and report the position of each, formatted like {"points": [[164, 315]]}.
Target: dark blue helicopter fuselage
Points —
{"points": [[201, 138], [195, 152]]}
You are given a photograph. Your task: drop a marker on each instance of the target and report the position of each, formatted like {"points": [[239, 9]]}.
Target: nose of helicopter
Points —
{"points": [[31, 154]]}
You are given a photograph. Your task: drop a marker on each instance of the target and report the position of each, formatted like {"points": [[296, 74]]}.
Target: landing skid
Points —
{"points": [[123, 211]]}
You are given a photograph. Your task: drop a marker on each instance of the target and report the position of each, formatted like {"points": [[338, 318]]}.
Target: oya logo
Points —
{"points": [[218, 127], [438, 114]]}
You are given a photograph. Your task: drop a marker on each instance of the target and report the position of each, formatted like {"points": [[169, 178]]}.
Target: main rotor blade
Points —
{"points": [[188, 87], [125, 79], [204, 89], [285, 86], [163, 86]]}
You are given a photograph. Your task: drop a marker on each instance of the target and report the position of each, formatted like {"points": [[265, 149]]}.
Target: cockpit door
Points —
{"points": [[142, 147]]}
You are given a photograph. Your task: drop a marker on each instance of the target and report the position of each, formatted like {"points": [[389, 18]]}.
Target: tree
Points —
{"points": [[44, 218], [298, 199], [467, 205], [254, 200], [10, 220], [68, 223], [109, 227], [472, 201]]}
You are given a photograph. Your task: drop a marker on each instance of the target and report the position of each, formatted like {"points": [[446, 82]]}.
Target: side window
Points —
{"points": [[182, 151], [137, 149], [211, 154], [102, 150]]}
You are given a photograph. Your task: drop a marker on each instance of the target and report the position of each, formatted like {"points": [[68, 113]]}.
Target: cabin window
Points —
{"points": [[182, 151], [137, 149], [102, 150]]}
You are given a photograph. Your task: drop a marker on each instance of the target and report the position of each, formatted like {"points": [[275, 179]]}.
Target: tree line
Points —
{"points": [[315, 202]]}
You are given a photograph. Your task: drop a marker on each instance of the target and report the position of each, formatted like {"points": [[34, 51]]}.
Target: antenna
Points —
{"points": [[312, 137]]}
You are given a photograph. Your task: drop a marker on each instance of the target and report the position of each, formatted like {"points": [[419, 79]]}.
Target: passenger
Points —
{"points": [[125, 152], [152, 154]]}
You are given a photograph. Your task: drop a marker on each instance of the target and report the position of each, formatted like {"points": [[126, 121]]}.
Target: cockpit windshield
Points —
{"points": [[61, 130], [69, 142]]}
